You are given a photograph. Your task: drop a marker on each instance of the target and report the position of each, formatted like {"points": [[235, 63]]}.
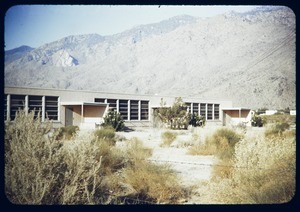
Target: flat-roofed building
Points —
{"points": [[86, 109]]}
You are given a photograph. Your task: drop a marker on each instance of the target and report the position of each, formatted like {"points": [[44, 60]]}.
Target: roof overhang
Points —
{"points": [[83, 103], [236, 108]]}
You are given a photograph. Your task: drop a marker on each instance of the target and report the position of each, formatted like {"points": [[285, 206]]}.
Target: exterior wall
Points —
{"points": [[232, 117], [76, 115], [89, 96], [93, 111], [292, 112], [271, 112]]}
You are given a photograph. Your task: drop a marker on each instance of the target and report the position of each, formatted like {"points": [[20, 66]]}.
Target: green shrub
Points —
{"points": [[196, 120], [176, 116], [114, 119], [257, 121], [67, 132], [107, 134], [168, 138]]}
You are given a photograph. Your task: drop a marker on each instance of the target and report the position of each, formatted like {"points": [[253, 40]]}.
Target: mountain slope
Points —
{"points": [[14, 54], [248, 58]]}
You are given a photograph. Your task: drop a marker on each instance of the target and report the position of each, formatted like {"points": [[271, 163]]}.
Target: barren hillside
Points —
{"points": [[248, 58]]}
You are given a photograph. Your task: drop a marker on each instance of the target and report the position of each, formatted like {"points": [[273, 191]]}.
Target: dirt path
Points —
{"points": [[192, 170]]}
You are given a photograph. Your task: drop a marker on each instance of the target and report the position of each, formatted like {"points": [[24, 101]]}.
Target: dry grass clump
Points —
{"points": [[67, 132], [135, 150], [141, 181], [32, 161], [277, 118], [270, 173], [263, 172], [154, 183], [221, 144], [43, 170], [277, 129], [168, 138], [107, 134]]}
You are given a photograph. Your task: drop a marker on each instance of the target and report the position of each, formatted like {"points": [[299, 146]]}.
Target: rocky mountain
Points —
{"points": [[248, 58], [14, 54]]}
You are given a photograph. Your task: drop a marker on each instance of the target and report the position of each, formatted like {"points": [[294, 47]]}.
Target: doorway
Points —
{"points": [[69, 116]]}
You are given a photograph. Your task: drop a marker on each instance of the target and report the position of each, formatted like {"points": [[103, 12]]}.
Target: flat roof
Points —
{"points": [[236, 108], [84, 103]]}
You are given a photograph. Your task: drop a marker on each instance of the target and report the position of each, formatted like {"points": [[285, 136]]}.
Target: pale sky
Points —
{"points": [[35, 25]]}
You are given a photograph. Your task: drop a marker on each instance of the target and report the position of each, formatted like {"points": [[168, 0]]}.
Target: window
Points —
{"points": [[51, 107], [112, 104], [123, 108], [203, 109], [5, 107], [16, 102], [35, 103], [100, 100], [188, 105], [209, 111], [134, 110], [196, 108], [144, 110], [216, 111]]}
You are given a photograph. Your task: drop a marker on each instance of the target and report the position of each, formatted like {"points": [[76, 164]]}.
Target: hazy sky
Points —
{"points": [[35, 25]]}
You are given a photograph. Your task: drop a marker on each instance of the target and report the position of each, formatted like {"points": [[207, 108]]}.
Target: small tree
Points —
{"points": [[176, 116], [114, 119]]}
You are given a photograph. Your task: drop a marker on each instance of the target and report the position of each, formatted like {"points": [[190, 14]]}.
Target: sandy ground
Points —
{"points": [[191, 169]]}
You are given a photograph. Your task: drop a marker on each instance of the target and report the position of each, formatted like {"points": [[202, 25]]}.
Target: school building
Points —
{"points": [[86, 109]]}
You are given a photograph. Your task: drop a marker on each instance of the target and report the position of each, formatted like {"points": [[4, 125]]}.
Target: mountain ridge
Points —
{"points": [[240, 57]]}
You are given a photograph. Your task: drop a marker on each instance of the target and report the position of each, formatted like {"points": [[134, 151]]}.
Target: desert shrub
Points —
{"points": [[276, 129], [280, 118], [67, 132], [223, 142], [168, 138], [43, 170], [269, 170], [33, 163], [176, 116], [114, 119], [107, 134], [136, 151], [257, 121], [196, 120], [153, 183]]}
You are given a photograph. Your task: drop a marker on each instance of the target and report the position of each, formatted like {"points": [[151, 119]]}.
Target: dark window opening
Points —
{"points": [[209, 111], [144, 110], [35, 103], [134, 110], [51, 107], [123, 108], [16, 102]]}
